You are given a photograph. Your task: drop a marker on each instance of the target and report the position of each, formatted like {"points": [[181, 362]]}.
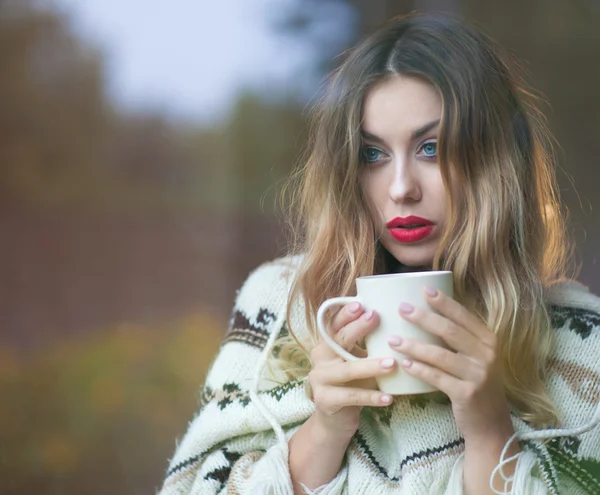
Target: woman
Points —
{"points": [[426, 153]]}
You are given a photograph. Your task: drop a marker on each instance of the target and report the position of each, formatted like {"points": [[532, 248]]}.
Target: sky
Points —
{"points": [[191, 57]]}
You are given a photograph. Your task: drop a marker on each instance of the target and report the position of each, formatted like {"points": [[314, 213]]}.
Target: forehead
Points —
{"points": [[399, 105]]}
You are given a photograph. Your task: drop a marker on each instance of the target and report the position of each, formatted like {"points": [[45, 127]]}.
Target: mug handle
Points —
{"points": [[337, 348]]}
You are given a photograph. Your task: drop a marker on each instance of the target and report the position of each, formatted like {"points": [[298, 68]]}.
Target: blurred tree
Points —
{"points": [[53, 117], [63, 144], [325, 27], [265, 141], [559, 42]]}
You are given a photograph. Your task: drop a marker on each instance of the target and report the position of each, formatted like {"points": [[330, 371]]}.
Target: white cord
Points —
{"points": [[535, 435], [253, 392]]}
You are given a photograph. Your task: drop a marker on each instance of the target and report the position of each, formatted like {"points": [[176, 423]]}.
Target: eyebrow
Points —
{"points": [[416, 134]]}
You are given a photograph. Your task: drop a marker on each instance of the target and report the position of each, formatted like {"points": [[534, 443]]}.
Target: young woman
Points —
{"points": [[427, 152]]}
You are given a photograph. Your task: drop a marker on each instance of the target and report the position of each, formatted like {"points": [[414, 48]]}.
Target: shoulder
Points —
{"points": [[259, 311], [279, 271], [269, 284], [574, 309], [261, 302], [574, 377]]}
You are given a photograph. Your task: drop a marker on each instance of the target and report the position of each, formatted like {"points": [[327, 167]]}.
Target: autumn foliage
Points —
{"points": [[97, 409], [99, 414]]}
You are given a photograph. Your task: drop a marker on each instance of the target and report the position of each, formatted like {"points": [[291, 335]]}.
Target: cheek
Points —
{"points": [[375, 188]]}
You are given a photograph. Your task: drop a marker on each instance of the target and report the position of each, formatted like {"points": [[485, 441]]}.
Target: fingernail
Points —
{"points": [[406, 308], [430, 291], [369, 315], [386, 399], [407, 363], [394, 340], [354, 307], [387, 362]]}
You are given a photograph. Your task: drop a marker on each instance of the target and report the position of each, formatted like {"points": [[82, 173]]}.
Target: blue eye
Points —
{"points": [[369, 154], [429, 149]]}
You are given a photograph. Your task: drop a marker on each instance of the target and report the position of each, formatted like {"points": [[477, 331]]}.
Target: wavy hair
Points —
{"points": [[505, 237]]}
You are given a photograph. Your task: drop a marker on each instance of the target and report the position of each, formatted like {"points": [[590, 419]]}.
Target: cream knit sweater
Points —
{"points": [[237, 443]]}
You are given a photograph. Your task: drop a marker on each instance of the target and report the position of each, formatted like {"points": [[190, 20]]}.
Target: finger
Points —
{"points": [[355, 331], [322, 352], [344, 316], [359, 351], [461, 316], [457, 337], [444, 382], [335, 398], [345, 372], [450, 362]]}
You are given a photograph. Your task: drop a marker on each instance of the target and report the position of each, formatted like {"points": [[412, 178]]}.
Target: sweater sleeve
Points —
{"points": [[523, 482], [565, 459], [265, 475], [231, 446]]}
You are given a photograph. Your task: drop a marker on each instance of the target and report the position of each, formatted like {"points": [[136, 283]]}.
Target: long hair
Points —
{"points": [[504, 238]]}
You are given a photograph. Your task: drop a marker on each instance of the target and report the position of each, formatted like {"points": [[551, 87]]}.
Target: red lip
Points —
{"points": [[399, 231], [407, 221]]}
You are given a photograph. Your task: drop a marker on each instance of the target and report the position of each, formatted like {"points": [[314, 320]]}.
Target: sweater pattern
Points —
{"points": [[412, 447]]}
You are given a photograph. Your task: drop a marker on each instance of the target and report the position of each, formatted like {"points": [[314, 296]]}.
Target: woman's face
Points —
{"points": [[401, 173]]}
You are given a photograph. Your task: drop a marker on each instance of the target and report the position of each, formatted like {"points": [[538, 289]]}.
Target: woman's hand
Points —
{"points": [[339, 388], [468, 373]]}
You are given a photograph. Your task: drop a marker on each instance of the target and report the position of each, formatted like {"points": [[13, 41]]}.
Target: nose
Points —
{"points": [[404, 185]]}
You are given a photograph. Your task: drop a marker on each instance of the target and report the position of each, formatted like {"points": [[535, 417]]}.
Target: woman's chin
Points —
{"points": [[413, 263]]}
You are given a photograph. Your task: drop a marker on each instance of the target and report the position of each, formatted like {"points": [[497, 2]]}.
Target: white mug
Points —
{"points": [[383, 294]]}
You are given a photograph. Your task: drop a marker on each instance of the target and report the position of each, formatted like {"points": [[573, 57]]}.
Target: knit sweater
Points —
{"points": [[237, 443]]}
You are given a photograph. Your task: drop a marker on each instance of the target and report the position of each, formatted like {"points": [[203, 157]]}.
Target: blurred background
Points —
{"points": [[142, 145]]}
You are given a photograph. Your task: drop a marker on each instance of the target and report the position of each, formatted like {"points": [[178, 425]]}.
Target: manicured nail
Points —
{"points": [[407, 363], [369, 315], [394, 340], [387, 362], [406, 308], [430, 291], [354, 307], [386, 399]]}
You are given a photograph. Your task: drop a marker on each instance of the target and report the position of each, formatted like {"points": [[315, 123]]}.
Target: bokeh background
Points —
{"points": [[141, 148]]}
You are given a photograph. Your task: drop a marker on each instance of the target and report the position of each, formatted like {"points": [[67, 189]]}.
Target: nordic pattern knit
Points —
{"points": [[237, 443]]}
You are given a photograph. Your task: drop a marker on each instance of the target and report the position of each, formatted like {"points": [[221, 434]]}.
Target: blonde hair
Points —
{"points": [[505, 236]]}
